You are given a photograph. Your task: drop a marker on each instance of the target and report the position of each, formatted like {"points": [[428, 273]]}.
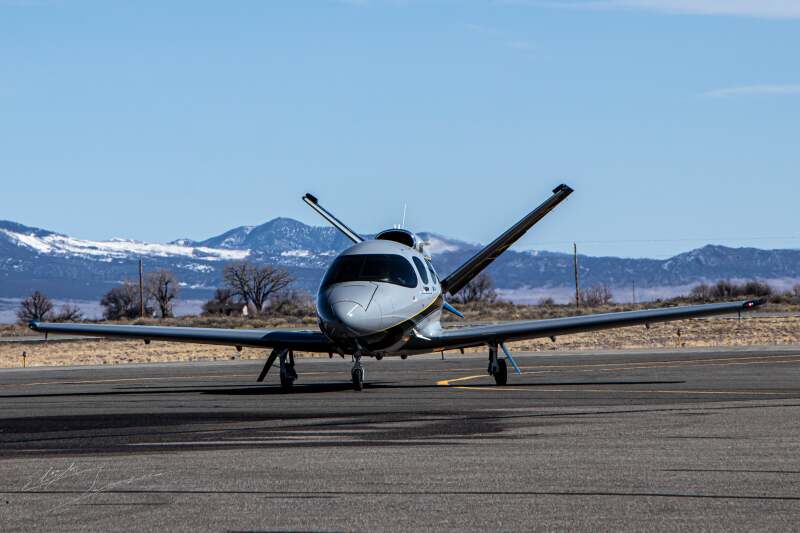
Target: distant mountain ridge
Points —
{"points": [[65, 267]]}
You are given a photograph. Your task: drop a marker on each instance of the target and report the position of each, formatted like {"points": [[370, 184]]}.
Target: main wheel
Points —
{"points": [[286, 382], [358, 379], [501, 376]]}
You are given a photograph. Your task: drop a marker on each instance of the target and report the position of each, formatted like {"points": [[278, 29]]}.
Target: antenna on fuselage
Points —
{"points": [[403, 223]]}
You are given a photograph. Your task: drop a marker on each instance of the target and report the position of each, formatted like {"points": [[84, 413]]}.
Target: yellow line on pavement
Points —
{"points": [[447, 382], [629, 391], [581, 368]]}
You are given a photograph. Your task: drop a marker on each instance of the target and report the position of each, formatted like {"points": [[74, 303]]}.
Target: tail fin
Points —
{"points": [[463, 274]]}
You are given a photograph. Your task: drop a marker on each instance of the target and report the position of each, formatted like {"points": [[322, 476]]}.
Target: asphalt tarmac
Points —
{"points": [[663, 440]]}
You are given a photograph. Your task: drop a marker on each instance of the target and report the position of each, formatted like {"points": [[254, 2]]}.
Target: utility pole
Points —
{"points": [[141, 289], [633, 291], [577, 276]]}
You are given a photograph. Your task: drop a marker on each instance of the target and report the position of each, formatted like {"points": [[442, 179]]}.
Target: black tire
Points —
{"points": [[286, 383], [358, 379], [501, 376]]}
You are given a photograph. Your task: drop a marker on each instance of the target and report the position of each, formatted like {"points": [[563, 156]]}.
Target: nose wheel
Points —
{"points": [[357, 373]]}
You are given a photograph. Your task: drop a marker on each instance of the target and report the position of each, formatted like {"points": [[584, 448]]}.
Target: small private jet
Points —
{"points": [[382, 297]]}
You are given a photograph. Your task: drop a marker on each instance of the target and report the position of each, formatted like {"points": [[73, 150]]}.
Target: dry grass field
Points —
{"points": [[781, 328]]}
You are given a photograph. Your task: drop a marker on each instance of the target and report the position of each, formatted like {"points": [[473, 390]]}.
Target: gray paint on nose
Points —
{"points": [[360, 293], [355, 318]]}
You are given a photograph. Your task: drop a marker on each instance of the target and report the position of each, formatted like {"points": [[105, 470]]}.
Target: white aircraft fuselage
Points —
{"points": [[379, 293]]}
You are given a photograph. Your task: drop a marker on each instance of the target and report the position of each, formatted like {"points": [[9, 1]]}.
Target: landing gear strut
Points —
{"points": [[288, 374], [357, 373], [497, 367]]}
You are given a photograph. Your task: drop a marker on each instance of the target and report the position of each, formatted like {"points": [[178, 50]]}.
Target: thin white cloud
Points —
{"points": [[754, 90], [773, 9]]}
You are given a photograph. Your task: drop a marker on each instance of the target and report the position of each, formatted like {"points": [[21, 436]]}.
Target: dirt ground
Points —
{"points": [[752, 329]]}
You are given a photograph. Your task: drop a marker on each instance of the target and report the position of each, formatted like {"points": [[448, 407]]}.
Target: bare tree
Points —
{"points": [[547, 301], [254, 284], [479, 289], [596, 295], [37, 306], [726, 290], [162, 286], [701, 293], [68, 313], [123, 302], [297, 304], [220, 303], [759, 289]]}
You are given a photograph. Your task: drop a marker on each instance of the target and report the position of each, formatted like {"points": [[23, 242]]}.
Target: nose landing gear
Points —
{"points": [[357, 373], [497, 367]]}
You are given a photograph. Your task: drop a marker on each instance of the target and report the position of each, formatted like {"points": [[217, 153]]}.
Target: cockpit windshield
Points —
{"points": [[386, 268]]}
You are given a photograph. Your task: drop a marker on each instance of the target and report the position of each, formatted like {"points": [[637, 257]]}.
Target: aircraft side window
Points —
{"points": [[434, 277], [421, 269]]}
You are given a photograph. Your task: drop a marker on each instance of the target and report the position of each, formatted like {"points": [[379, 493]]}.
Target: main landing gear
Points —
{"points": [[357, 373], [497, 367], [288, 374]]}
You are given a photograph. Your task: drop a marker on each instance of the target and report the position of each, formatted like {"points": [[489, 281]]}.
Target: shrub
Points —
{"points": [[479, 289], [68, 313], [124, 302], [596, 296], [297, 304]]}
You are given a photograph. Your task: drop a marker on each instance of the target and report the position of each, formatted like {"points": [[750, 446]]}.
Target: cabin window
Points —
{"points": [[421, 270], [434, 277], [383, 268]]}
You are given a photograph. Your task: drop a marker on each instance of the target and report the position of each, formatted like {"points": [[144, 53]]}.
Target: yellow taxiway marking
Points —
{"points": [[626, 366], [629, 391], [447, 382], [655, 364]]}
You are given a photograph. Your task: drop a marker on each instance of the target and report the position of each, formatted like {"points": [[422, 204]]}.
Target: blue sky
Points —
{"points": [[676, 121]]}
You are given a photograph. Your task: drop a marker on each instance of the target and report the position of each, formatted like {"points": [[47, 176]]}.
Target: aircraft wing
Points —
{"points": [[451, 338], [307, 341]]}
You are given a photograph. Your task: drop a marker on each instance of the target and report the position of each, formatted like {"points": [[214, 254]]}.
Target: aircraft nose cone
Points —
{"points": [[352, 317], [353, 292]]}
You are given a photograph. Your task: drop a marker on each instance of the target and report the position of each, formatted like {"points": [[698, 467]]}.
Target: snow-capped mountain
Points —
{"points": [[66, 267], [47, 243]]}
